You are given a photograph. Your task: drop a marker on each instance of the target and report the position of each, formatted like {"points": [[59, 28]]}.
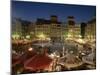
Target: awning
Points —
{"points": [[38, 62]]}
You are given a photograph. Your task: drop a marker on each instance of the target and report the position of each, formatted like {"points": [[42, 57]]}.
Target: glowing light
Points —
{"points": [[52, 55], [48, 38], [69, 35], [30, 49], [80, 36], [28, 36], [71, 52], [41, 36], [80, 41], [83, 53], [57, 56], [15, 36]]}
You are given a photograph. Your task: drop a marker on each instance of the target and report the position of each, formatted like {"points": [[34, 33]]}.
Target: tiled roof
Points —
{"points": [[40, 61]]}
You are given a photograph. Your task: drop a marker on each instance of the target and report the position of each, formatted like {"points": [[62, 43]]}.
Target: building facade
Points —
{"points": [[16, 28], [90, 32], [74, 29], [50, 29]]}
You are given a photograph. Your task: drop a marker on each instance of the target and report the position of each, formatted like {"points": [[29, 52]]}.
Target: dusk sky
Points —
{"points": [[32, 10]]}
